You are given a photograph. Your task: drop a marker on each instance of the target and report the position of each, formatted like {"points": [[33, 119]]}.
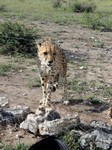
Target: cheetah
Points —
{"points": [[110, 115], [52, 65]]}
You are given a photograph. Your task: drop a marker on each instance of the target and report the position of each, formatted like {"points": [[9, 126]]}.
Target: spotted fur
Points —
{"points": [[52, 64]]}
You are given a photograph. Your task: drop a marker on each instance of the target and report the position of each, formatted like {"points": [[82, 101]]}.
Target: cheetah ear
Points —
{"points": [[39, 45]]}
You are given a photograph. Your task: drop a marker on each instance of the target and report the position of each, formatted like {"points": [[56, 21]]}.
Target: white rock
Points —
{"points": [[24, 94], [66, 102], [25, 108], [59, 41], [24, 125], [56, 126], [20, 70], [31, 123], [92, 37], [99, 138], [82, 67], [4, 102], [35, 117], [1, 145], [17, 136]]}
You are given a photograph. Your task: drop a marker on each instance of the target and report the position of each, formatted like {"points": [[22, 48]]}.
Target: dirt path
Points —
{"points": [[90, 65]]}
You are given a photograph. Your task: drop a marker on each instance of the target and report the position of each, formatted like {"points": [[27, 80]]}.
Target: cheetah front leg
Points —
{"points": [[49, 91], [44, 86], [65, 95], [56, 80]]}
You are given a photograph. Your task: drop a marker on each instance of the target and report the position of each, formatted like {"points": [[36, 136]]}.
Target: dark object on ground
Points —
{"points": [[6, 117], [50, 142]]}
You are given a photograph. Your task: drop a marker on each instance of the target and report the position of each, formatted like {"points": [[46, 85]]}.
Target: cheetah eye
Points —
{"points": [[54, 53], [45, 53]]}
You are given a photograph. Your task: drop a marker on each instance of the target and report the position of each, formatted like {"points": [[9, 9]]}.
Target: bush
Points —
{"points": [[17, 38], [5, 68], [57, 3], [98, 21], [3, 8], [83, 6], [17, 147], [71, 139], [75, 86], [35, 82]]}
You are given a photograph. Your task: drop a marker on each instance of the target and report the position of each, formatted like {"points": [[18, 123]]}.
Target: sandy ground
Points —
{"points": [[90, 62]]}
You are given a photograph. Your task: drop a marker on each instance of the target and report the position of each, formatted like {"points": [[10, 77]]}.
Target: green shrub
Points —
{"points": [[17, 38], [93, 100], [98, 21], [92, 20], [35, 82], [83, 6], [3, 8], [75, 86], [17, 147], [71, 139], [56, 3], [107, 91], [21, 147], [4, 68]]}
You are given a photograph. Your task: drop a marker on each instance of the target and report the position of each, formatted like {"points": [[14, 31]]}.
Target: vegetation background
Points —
{"points": [[18, 33]]}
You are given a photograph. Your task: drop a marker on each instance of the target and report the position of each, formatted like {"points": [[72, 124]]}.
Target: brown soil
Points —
{"points": [[90, 61]]}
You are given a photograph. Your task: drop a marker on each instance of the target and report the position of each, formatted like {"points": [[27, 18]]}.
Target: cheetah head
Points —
{"points": [[47, 51]]}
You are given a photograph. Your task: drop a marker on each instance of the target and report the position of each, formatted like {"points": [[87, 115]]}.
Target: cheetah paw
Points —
{"points": [[42, 108], [49, 109]]}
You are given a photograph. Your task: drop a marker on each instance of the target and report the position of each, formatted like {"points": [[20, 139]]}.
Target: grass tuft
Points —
{"points": [[20, 146], [57, 3], [3, 8], [75, 85], [98, 21], [6, 68], [35, 82], [93, 100], [83, 6], [29, 11], [71, 139]]}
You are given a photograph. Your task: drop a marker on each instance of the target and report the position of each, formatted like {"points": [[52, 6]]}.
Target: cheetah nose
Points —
{"points": [[50, 62]]}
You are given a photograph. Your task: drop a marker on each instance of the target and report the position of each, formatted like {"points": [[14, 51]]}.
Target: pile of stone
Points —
{"points": [[12, 115], [40, 122], [48, 123], [96, 134]]}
